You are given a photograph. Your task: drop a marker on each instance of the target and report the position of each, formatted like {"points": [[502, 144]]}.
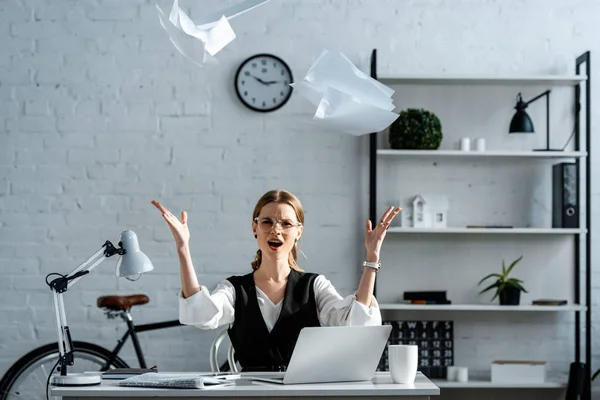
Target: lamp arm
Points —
{"points": [[65, 344], [546, 93], [107, 250], [60, 285]]}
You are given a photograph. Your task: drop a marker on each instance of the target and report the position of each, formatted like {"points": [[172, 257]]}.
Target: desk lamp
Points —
{"points": [[521, 122], [131, 264]]}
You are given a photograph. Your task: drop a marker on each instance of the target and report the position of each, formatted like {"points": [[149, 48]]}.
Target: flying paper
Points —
{"points": [[347, 99], [213, 30]]}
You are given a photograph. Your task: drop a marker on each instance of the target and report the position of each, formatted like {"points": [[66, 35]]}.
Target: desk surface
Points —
{"points": [[380, 386]]}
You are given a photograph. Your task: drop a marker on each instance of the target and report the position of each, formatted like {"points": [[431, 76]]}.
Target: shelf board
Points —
{"points": [[446, 79], [481, 154], [505, 231], [483, 384], [478, 307]]}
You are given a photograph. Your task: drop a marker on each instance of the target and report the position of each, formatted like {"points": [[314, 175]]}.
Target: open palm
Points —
{"points": [[179, 229], [374, 236]]}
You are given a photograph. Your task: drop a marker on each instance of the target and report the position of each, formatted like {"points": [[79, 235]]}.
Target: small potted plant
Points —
{"points": [[507, 289], [416, 129]]}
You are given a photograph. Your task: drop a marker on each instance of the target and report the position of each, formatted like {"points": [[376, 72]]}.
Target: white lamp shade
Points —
{"points": [[133, 262]]}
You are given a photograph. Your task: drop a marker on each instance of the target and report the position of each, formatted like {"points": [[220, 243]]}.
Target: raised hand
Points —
{"points": [[179, 229], [374, 236]]}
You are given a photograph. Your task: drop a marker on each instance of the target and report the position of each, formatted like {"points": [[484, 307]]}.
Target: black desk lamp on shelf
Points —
{"points": [[521, 122]]}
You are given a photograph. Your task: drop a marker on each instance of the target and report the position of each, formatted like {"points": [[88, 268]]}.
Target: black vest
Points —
{"points": [[256, 348]]}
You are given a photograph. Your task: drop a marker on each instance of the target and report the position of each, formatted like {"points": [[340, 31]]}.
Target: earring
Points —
{"points": [[255, 236], [296, 240]]}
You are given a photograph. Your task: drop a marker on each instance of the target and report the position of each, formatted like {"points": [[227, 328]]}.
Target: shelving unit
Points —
{"points": [[488, 231], [479, 307], [568, 80], [580, 155], [482, 154]]}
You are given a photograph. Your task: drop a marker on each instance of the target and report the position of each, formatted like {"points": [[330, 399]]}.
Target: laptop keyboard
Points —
{"points": [[267, 378]]}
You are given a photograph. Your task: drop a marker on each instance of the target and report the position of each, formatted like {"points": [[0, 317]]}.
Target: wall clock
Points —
{"points": [[262, 82]]}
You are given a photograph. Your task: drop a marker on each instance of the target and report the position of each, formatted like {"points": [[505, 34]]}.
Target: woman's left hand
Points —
{"points": [[374, 237]]}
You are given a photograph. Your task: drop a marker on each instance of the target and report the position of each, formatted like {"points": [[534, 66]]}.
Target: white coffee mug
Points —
{"points": [[403, 361], [451, 372]]}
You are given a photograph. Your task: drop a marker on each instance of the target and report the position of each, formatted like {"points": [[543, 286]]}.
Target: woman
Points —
{"points": [[267, 308]]}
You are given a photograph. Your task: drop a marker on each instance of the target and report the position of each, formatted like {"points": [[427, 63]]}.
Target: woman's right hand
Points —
{"points": [[179, 229]]}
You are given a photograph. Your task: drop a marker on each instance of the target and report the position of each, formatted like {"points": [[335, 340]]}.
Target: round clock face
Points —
{"points": [[262, 82]]}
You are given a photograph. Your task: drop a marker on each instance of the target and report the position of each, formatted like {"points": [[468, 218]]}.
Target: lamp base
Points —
{"points": [[83, 379], [555, 150]]}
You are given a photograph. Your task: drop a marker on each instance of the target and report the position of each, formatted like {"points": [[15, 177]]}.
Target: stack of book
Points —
{"points": [[426, 297]]}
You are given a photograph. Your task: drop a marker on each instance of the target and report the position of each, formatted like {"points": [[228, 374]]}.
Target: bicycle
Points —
{"points": [[23, 380]]}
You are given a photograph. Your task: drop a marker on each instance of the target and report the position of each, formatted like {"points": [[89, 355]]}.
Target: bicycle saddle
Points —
{"points": [[123, 303]]}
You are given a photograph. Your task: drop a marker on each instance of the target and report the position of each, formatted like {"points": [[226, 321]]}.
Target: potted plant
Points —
{"points": [[416, 129], [507, 289]]}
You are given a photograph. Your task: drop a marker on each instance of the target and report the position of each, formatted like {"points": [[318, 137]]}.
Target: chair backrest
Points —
{"points": [[214, 354]]}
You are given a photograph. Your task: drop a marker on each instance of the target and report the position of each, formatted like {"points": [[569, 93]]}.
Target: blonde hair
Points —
{"points": [[281, 197]]}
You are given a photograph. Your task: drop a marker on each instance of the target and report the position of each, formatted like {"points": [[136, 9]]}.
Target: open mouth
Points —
{"points": [[274, 244]]}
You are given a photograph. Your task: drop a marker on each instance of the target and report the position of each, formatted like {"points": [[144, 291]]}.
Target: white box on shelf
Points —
{"points": [[518, 371]]}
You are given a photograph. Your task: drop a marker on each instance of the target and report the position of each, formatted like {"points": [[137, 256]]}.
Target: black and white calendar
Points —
{"points": [[435, 340]]}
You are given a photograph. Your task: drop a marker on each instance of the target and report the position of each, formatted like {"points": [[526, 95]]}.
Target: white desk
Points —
{"points": [[380, 386]]}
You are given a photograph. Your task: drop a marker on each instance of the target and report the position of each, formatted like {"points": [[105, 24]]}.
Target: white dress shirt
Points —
{"points": [[208, 310]]}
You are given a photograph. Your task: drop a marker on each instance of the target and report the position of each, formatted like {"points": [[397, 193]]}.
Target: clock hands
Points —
{"points": [[260, 80], [268, 83]]}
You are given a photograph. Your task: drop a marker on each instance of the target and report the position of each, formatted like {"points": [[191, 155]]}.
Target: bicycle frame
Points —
{"points": [[132, 330]]}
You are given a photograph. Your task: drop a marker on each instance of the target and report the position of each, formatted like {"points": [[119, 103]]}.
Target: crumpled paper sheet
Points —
{"points": [[347, 100], [200, 42]]}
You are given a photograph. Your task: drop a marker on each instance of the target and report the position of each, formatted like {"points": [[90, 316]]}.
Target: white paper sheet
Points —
{"points": [[213, 30], [347, 100], [190, 48]]}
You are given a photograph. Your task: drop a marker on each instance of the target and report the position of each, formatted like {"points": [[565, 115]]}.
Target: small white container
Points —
{"points": [[462, 374], [451, 372], [465, 144], [518, 371], [480, 144]]}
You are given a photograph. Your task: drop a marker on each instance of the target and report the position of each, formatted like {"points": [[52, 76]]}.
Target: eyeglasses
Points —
{"points": [[266, 224]]}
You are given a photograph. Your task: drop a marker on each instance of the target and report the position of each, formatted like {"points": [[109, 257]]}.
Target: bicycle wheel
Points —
{"points": [[26, 378]]}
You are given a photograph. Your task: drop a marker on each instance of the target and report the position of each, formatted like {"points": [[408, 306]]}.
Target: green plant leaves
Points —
{"points": [[501, 287], [416, 129], [502, 280], [516, 283], [493, 285], [490, 276], [513, 265]]}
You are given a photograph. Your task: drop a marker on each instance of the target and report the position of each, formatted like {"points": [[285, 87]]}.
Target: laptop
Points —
{"points": [[334, 354]]}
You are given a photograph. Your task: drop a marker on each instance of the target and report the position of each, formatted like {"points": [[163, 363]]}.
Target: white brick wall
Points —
{"points": [[99, 115]]}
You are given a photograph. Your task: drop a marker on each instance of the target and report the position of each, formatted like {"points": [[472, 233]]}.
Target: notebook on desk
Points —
{"points": [[334, 354]]}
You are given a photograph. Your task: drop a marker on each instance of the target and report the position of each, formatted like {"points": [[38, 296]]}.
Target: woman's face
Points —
{"points": [[276, 229]]}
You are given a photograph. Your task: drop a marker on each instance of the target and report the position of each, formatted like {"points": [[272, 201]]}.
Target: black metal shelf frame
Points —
{"points": [[581, 62]]}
